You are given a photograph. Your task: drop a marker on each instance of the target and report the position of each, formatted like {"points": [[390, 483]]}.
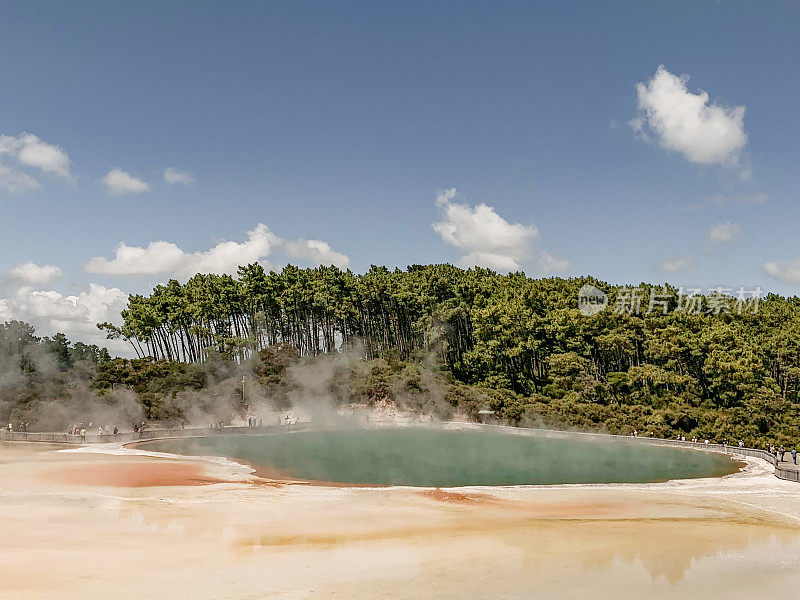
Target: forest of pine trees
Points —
{"points": [[437, 338], [507, 332]]}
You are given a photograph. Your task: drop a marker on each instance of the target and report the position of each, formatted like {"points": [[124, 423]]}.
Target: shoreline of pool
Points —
{"points": [[782, 471]]}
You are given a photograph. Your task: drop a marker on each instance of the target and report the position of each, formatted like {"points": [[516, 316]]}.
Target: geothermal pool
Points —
{"points": [[436, 458]]}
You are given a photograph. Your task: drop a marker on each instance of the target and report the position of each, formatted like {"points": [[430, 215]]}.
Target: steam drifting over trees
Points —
{"points": [[501, 331]]}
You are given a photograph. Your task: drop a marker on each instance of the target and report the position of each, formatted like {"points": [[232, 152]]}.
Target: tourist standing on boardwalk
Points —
{"points": [[794, 455]]}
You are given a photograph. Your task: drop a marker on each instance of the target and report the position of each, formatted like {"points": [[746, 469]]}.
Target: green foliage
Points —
{"points": [[704, 374], [273, 362], [67, 355], [145, 375]]}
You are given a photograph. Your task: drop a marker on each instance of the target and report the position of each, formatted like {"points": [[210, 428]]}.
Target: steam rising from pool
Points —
{"points": [[428, 458]]}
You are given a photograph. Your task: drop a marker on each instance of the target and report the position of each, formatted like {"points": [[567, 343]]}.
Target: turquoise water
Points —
{"points": [[426, 457]]}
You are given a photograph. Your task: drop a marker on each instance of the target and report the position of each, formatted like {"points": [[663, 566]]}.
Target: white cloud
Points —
{"points": [[316, 251], [156, 258], [119, 182], [226, 257], [40, 304], [165, 258], [676, 265], [482, 236], [27, 150], [723, 232], [15, 181], [33, 273], [30, 151], [787, 271], [34, 152], [703, 132], [551, 264], [101, 303], [76, 315], [174, 176]]}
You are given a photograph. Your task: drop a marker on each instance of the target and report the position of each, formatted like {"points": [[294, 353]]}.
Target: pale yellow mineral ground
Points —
{"points": [[90, 525]]}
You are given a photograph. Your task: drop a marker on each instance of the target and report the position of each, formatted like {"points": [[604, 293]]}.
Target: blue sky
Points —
{"points": [[337, 125]]}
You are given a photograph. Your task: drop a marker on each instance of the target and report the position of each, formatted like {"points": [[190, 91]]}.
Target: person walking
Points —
{"points": [[782, 452], [794, 455]]}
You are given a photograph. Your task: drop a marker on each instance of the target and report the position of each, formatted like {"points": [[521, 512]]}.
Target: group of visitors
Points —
{"points": [[82, 430], [75, 428], [779, 452], [680, 438], [22, 426]]}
